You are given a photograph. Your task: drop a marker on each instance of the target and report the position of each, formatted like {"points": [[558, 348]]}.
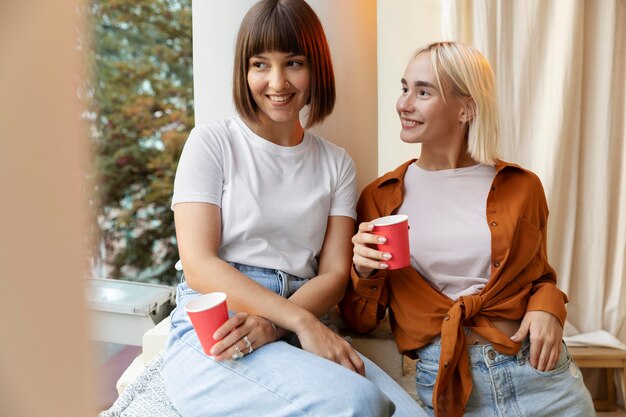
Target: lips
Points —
{"points": [[280, 98], [407, 124]]}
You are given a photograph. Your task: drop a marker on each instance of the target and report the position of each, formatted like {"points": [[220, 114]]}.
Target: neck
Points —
{"points": [[433, 159], [288, 133]]}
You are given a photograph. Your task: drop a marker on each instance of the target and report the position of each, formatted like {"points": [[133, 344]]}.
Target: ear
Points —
{"points": [[468, 107]]}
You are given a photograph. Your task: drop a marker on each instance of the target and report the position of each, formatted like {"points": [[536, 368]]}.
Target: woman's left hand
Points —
{"points": [[241, 335], [546, 334]]}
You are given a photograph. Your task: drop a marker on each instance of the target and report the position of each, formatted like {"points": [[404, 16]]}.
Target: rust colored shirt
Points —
{"points": [[521, 280]]}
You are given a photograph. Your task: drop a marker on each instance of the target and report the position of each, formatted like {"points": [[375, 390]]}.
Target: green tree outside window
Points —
{"points": [[140, 113]]}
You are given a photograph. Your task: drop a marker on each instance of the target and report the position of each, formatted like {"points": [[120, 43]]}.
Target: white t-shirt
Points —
{"points": [[275, 200], [449, 235]]}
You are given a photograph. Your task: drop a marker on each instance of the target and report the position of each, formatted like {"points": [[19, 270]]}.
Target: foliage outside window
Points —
{"points": [[140, 114]]}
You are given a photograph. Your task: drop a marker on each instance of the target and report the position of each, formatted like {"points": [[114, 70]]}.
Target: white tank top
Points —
{"points": [[449, 235]]}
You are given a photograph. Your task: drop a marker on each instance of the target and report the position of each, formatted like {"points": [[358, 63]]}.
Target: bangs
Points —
{"points": [[278, 34]]}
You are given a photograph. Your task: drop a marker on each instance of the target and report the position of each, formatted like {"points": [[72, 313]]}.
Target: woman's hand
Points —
{"points": [[242, 334], [320, 340], [366, 259], [546, 334]]}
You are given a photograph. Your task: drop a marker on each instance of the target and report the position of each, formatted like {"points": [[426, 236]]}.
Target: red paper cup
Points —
{"points": [[396, 229], [207, 313]]}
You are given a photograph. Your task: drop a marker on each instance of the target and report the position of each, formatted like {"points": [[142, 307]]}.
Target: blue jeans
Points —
{"points": [[508, 386], [277, 379]]}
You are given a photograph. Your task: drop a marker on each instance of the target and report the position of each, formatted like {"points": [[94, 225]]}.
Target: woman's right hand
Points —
{"points": [[316, 338], [366, 258], [242, 333]]}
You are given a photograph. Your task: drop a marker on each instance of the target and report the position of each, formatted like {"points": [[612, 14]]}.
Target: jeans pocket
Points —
{"points": [[560, 367], [425, 377]]}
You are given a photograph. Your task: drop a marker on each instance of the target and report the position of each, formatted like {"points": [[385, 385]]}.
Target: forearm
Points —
{"points": [[244, 294], [321, 293]]}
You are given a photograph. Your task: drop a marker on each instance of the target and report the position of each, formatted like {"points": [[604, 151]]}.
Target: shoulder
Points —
{"points": [[333, 154], [389, 179], [221, 130], [383, 193], [514, 180], [508, 172], [327, 146]]}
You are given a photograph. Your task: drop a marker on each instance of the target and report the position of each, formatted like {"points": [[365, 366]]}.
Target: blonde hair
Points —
{"points": [[467, 74]]}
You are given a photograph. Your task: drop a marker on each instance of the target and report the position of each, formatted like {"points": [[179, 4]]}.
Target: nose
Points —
{"points": [[404, 103], [277, 81]]}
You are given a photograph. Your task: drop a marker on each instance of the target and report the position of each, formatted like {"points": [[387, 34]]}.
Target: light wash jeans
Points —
{"points": [[277, 379], [508, 386]]}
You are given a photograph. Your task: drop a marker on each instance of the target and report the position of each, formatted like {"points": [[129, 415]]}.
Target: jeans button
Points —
{"points": [[491, 355]]}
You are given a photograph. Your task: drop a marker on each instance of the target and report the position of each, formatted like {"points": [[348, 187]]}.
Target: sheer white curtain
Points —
{"points": [[561, 69]]}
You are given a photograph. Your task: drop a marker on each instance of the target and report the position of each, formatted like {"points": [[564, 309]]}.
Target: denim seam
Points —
{"points": [[512, 392]]}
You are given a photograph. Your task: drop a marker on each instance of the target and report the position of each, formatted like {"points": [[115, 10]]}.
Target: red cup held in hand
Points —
{"points": [[396, 229], [207, 313]]}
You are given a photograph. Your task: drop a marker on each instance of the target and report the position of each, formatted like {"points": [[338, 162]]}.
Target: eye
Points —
{"points": [[295, 63], [258, 65], [423, 93], [404, 89]]}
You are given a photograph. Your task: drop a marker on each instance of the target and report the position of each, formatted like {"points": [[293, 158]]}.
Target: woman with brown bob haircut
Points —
{"points": [[264, 212], [301, 33]]}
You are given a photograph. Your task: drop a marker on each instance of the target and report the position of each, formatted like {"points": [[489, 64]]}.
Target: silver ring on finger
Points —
{"points": [[238, 354], [248, 344]]}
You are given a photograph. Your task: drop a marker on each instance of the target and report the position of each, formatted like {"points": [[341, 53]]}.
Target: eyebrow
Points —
{"points": [[420, 84]]}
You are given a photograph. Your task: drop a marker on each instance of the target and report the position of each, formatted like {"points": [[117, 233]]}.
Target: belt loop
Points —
{"points": [[521, 360], [284, 282]]}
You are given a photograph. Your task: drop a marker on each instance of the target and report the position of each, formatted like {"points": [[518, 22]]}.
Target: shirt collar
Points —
{"points": [[398, 173]]}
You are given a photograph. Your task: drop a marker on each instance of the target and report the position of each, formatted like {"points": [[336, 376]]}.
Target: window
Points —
{"points": [[140, 114]]}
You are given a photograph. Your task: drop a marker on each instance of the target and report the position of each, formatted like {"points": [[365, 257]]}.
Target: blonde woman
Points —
{"points": [[479, 304]]}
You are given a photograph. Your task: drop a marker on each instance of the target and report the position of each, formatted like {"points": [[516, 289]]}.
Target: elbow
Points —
{"points": [[196, 276], [353, 314]]}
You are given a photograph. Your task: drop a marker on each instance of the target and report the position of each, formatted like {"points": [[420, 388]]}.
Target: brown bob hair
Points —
{"points": [[289, 26]]}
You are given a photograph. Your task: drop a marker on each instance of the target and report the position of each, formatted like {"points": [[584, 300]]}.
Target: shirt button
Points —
{"points": [[446, 317], [494, 224], [493, 188], [373, 288], [491, 355], [496, 264], [446, 364]]}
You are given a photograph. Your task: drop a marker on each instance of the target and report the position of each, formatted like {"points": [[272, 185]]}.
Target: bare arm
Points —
{"points": [[198, 227], [198, 230], [324, 291]]}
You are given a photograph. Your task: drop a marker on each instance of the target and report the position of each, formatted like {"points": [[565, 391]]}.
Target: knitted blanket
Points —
{"points": [[145, 396]]}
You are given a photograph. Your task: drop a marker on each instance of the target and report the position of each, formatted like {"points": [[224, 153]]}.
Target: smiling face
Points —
{"points": [[424, 114], [280, 86]]}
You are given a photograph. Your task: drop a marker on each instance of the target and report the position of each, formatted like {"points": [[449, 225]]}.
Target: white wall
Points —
{"points": [[350, 27], [403, 26], [215, 25], [371, 43]]}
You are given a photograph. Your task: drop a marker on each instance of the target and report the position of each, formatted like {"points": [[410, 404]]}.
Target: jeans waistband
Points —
{"points": [[280, 282], [476, 353]]}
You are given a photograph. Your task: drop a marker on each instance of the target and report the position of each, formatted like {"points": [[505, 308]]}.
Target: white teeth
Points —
{"points": [[279, 99], [409, 123]]}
